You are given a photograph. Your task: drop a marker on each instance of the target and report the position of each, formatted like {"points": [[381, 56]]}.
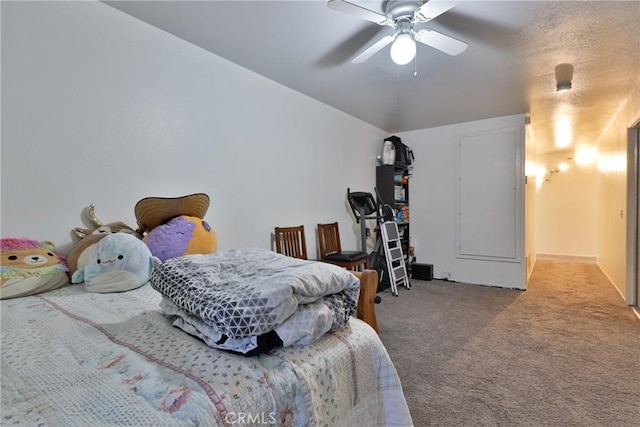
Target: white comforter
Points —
{"points": [[230, 299]]}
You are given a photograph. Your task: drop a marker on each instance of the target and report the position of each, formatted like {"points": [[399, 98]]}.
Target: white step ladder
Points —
{"points": [[394, 256]]}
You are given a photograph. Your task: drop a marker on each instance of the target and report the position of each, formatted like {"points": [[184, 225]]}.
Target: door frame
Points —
{"points": [[633, 218]]}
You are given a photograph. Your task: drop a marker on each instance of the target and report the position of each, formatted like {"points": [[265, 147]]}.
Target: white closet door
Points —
{"points": [[489, 168]]}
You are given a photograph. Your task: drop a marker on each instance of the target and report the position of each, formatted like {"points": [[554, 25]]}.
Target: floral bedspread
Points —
{"points": [[74, 358]]}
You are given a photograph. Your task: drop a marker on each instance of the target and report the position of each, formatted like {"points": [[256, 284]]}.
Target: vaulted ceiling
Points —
{"points": [[508, 68]]}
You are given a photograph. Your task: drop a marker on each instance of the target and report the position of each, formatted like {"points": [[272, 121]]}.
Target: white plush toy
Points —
{"points": [[120, 262]]}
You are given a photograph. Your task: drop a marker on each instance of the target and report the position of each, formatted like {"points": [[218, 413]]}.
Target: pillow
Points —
{"points": [[29, 267], [120, 262]]}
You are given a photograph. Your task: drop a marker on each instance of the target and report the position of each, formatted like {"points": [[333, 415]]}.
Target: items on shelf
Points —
{"points": [[392, 184], [394, 152], [402, 214]]}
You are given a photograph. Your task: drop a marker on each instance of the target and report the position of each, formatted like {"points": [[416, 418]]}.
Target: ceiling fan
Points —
{"points": [[403, 19]]}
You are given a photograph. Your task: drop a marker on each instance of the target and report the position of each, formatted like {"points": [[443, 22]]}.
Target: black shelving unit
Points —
{"points": [[392, 183]]}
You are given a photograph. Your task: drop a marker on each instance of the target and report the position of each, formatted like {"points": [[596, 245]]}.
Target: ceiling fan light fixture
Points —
{"points": [[403, 49]]}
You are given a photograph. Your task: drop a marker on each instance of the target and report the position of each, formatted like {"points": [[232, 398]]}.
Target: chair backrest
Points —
{"points": [[290, 241], [328, 239]]}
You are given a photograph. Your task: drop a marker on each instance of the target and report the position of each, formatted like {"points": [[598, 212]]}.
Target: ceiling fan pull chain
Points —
{"points": [[415, 65], [398, 90]]}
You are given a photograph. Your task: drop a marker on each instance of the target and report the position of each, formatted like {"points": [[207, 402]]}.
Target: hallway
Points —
{"points": [[579, 284]]}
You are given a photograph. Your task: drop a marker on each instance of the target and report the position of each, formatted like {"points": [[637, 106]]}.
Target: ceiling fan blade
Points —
{"points": [[432, 9], [371, 50], [446, 44], [354, 9]]}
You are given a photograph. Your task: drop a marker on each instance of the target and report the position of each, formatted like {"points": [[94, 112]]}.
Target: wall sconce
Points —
{"points": [[561, 167], [564, 75], [586, 155]]}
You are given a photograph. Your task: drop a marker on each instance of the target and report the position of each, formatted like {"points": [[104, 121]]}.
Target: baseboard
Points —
{"points": [[624, 298], [567, 258]]}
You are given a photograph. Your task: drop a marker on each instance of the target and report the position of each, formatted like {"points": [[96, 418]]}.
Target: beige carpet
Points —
{"points": [[566, 352]]}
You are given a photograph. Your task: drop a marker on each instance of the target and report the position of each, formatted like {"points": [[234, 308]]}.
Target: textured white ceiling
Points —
{"points": [[508, 68]]}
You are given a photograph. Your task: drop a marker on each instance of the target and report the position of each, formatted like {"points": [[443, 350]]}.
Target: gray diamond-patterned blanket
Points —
{"points": [[248, 292]]}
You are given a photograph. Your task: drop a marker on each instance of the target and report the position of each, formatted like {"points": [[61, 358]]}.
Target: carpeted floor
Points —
{"points": [[565, 352]]}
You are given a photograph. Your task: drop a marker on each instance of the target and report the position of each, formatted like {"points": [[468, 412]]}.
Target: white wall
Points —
{"points": [[434, 210], [567, 208], [100, 107], [612, 191]]}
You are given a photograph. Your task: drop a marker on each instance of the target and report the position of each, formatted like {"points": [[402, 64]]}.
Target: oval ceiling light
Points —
{"points": [[403, 49]]}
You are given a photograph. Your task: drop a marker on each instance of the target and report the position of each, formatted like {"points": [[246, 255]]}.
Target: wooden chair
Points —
{"points": [[290, 241], [331, 250]]}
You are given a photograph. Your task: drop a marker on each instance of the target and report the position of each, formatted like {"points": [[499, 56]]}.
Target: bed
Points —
{"points": [[74, 358]]}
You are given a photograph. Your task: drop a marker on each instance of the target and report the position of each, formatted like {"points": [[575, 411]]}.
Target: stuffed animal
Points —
{"points": [[120, 262], [182, 235], [173, 227], [81, 252], [29, 267]]}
